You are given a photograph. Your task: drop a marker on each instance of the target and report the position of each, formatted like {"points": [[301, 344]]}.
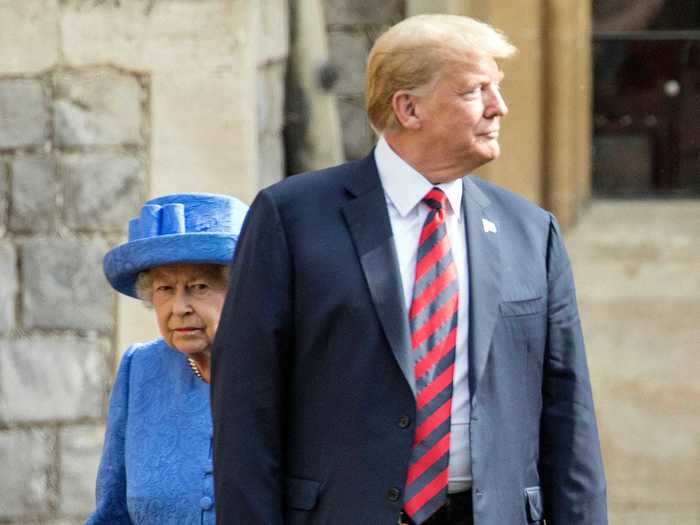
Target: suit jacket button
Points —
{"points": [[404, 421], [393, 494]]}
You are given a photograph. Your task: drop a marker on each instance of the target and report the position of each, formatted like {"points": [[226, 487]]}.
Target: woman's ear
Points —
{"points": [[405, 109]]}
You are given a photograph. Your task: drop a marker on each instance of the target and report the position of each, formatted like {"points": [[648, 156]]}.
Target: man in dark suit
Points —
{"points": [[400, 341]]}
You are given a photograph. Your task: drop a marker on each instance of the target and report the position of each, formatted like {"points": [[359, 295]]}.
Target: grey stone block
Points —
{"points": [[102, 190], [8, 286], [270, 98], [56, 521], [33, 195], [270, 159], [350, 12], [49, 519], [47, 379], [348, 51], [63, 286], [24, 113], [4, 196], [80, 451], [100, 107], [358, 137], [26, 457]]}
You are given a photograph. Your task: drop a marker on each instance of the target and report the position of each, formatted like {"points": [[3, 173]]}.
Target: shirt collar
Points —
{"points": [[405, 187]]}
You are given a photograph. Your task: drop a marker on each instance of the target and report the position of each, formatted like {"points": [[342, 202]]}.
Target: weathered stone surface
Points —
{"points": [[59, 521], [24, 113], [271, 159], [637, 514], [98, 107], [639, 296], [348, 51], [4, 196], [153, 35], [28, 36], [33, 195], [80, 451], [52, 378], [102, 191], [8, 286], [63, 285], [358, 137], [204, 147], [25, 456], [273, 38], [270, 97], [347, 12], [641, 262]]}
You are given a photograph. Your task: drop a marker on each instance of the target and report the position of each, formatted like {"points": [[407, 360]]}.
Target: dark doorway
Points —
{"points": [[646, 102]]}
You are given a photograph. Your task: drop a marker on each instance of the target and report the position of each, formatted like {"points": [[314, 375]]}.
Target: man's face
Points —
{"points": [[460, 117]]}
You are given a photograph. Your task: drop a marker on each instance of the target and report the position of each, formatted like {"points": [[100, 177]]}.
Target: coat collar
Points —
{"points": [[368, 221], [484, 258]]}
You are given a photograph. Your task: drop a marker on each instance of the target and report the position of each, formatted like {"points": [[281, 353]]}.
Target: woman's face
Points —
{"points": [[188, 299]]}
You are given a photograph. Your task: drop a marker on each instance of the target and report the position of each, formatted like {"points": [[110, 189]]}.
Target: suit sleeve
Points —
{"points": [[110, 492], [248, 363], [571, 466]]}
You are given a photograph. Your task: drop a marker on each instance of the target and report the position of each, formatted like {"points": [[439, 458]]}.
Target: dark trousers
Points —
{"points": [[457, 511]]}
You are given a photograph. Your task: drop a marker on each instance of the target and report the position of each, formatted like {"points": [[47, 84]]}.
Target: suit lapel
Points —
{"points": [[368, 221], [484, 278]]}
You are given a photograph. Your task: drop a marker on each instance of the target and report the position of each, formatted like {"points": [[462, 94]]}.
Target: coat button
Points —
{"points": [[393, 494], [206, 503], [404, 421]]}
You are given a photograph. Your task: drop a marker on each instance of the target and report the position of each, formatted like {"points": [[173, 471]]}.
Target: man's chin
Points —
{"points": [[492, 150]]}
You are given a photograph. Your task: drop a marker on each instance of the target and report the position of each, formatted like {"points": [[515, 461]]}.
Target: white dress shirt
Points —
{"points": [[404, 189]]}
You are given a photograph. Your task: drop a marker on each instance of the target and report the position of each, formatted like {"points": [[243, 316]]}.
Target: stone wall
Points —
{"points": [[272, 52], [73, 150], [102, 105], [353, 25]]}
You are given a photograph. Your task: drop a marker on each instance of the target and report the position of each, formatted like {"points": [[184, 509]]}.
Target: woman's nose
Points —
{"points": [[182, 305]]}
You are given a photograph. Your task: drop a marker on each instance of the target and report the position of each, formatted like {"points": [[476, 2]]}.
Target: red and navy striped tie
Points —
{"points": [[433, 322]]}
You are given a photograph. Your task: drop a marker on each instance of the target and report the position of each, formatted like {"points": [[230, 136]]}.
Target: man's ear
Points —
{"points": [[405, 109]]}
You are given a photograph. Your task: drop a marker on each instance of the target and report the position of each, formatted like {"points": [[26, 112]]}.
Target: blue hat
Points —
{"points": [[196, 228]]}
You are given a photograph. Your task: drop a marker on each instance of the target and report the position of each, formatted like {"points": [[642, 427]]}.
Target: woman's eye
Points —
{"points": [[163, 288], [199, 287]]}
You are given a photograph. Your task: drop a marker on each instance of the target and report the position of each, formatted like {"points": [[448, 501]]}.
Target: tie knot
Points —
{"points": [[435, 198]]}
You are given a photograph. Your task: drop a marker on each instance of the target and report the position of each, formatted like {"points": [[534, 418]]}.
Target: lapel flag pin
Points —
{"points": [[489, 226]]}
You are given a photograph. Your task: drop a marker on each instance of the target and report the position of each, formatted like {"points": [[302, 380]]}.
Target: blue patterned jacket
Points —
{"points": [[156, 465]]}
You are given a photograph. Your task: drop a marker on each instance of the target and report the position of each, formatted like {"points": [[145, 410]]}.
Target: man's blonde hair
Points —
{"points": [[410, 55]]}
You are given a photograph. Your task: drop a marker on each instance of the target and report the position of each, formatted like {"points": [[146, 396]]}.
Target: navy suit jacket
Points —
{"points": [[312, 375]]}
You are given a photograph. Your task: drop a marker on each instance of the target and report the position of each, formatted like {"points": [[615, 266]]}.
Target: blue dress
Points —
{"points": [[156, 465]]}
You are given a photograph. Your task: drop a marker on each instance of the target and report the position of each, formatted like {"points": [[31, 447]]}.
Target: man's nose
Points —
{"points": [[496, 104]]}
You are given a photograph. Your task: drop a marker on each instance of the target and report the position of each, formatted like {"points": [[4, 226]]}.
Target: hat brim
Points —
{"points": [[123, 263]]}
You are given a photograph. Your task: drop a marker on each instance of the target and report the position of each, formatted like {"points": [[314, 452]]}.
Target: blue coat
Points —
{"points": [[156, 464], [312, 367]]}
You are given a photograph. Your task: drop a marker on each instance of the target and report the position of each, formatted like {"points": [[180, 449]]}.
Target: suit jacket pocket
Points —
{"points": [[302, 494], [521, 308], [533, 504]]}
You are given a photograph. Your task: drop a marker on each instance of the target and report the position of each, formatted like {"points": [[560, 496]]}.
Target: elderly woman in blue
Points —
{"points": [[156, 465]]}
